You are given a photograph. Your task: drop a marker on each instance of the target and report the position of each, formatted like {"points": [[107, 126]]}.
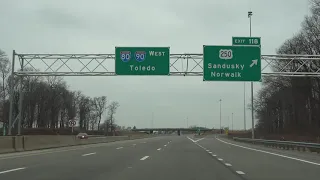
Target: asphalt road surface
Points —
{"points": [[159, 158]]}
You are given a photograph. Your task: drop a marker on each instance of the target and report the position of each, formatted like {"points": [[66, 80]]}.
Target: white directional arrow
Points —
{"points": [[254, 62]]}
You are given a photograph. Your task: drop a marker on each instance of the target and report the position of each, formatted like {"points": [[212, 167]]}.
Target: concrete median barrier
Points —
{"points": [[6, 144], [47, 141], [26, 143], [100, 140]]}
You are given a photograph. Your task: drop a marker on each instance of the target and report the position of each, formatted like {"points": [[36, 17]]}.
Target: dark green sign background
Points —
{"points": [[231, 63], [142, 60], [250, 41]]}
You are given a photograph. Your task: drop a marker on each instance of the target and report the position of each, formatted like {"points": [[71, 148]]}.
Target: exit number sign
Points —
{"points": [[246, 41]]}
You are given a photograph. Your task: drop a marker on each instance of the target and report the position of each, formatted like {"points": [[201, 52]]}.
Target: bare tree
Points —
{"points": [[85, 107], [112, 108], [93, 119], [100, 106], [292, 105], [48, 103], [4, 72]]}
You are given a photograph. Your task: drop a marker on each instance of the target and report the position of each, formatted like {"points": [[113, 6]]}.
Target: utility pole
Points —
{"points": [[229, 123], [187, 122], [244, 106], [232, 121], [252, 110], [152, 120], [11, 95], [220, 116]]}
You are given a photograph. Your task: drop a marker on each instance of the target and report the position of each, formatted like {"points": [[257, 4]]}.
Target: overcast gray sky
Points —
{"points": [[97, 26]]}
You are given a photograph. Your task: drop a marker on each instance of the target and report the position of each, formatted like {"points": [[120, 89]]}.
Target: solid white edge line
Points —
{"points": [[88, 154], [190, 139], [144, 158], [199, 139], [275, 154], [11, 170], [240, 172]]}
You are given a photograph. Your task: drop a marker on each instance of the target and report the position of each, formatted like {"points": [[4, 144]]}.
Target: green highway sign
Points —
{"points": [[142, 60], [231, 63], [246, 41]]}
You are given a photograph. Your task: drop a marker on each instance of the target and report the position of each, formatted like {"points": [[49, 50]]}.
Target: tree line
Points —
{"points": [[291, 105], [48, 103]]}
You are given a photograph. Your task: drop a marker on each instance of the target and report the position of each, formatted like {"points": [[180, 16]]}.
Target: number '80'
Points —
{"points": [[125, 56]]}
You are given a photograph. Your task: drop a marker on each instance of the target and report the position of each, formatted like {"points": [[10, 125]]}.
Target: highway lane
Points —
{"points": [[59, 155], [261, 163], [180, 159], [169, 157]]}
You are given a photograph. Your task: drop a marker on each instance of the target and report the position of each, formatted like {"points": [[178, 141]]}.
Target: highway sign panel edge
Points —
{"points": [[247, 46], [115, 60]]}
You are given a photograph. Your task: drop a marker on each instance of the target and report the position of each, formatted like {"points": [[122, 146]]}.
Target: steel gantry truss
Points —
{"points": [[180, 65], [103, 65]]}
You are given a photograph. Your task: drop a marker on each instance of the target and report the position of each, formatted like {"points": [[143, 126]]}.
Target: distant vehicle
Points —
{"points": [[82, 136]]}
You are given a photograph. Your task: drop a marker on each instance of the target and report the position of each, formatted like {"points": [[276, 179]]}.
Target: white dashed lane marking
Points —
{"points": [[119, 147], [214, 155], [89, 154], [240, 172], [144, 158], [159, 149]]}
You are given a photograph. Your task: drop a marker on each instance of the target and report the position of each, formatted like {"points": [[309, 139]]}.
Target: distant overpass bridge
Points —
{"points": [[172, 129]]}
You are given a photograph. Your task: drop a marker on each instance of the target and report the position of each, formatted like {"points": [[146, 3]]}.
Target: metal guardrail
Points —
{"points": [[313, 147]]}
